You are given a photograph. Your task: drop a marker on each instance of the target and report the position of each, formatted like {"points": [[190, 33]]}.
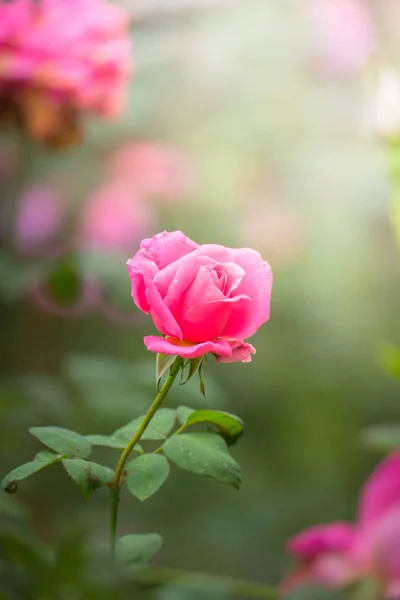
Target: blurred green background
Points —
{"points": [[273, 154]]}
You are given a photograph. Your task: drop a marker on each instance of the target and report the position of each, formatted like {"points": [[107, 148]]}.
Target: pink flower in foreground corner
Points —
{"points": [[60, 57], [338, 554], [203, 299]]}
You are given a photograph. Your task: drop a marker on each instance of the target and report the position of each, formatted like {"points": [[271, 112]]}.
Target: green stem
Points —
{"points": [[115, 484], [191, 579]]}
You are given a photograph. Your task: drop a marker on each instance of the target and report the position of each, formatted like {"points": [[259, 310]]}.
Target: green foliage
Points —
{"points": [[42, 459], [204, 454], [109, 441], [229, 426], [88, 475], [63, 441], [159, 428], [163, 363], [146, 474], [183, 413], [137, 550]]}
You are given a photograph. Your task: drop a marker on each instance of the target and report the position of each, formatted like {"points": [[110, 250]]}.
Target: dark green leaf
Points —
{"points": [[137, 550], [159, 428], [40, 461], [163, 363], [146, 474], [183, 413], [110, 441], [63, 441], [382, 437], [204, 454], [88, 475], [229, 426]]}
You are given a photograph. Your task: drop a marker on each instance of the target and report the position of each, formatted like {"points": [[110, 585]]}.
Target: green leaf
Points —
{"points": [[63, 441], [229, 426], [110, 441], [146, 474], [183, 413], [42, 459], [88, 475], [163, 363], [204, 454], [137, 550], [195, 365], [201, 381], [381, 437], [47, 456], [159, 428]]}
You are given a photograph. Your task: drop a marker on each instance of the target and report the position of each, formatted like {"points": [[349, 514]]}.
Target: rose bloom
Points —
{"points": [[337, 554], [60, 57], [203, 299]]}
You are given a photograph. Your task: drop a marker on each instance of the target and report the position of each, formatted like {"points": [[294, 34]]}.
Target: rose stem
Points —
{"points": [[115, 484]]}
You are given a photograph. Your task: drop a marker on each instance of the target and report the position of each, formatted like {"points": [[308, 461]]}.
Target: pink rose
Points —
{"points": [[340, 553], [202, 298]]}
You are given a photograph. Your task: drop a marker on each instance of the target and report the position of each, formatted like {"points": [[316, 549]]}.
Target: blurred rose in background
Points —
{"points": [[54, 65], [344, 34]]}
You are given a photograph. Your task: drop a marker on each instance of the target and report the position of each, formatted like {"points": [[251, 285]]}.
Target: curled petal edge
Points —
{"points": [[222, 348]]}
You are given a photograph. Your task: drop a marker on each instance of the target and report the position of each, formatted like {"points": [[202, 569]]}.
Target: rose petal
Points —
{"points": [[381, 491], [378, 545], [218, 253], [162, 316], [136, 271], [241, 352], [165, 346], [164, 248], [174, 280], [320, 539], [257, 285]]}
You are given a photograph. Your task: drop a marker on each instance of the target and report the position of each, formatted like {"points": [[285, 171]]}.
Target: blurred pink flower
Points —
{"points": [[59, 57], [345, 34], [39, 218], [339, 553], [155, 170], [114, 218]]}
